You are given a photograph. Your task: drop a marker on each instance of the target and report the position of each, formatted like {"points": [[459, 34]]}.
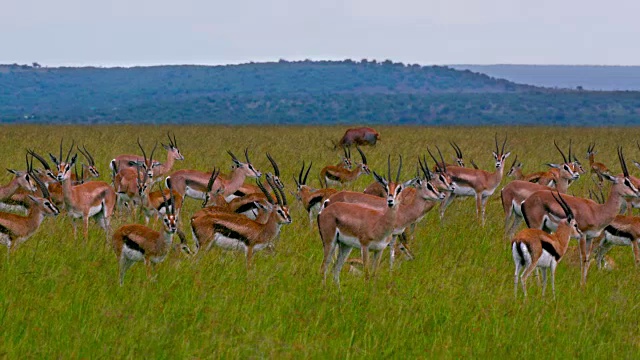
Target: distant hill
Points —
{"points": [[607, 78], [305, 92]]}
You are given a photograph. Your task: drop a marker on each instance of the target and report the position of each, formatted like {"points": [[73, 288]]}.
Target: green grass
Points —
{"points": [[61, 298]]}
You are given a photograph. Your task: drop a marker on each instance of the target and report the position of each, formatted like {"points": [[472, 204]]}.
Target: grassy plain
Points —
{"points": [[60, 297]]}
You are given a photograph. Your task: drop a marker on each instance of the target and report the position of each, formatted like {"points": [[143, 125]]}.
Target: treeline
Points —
{"points": [[296, 93]]}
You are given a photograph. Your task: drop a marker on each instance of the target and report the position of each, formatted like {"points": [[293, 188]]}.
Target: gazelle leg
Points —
{"points": [[147, 265], [483, 208], [516, 277], [554, 265], [125, 264], [377, 257], [392, 251], [478, 207], [449, 197], [328, 253], [85, 226], [249, 256], [343, 253], [364, 252], [636, 251], [529, 269], [585, 261], [544, 281]]}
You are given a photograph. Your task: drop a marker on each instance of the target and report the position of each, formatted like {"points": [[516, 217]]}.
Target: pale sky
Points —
{"points": [[148, 32]]}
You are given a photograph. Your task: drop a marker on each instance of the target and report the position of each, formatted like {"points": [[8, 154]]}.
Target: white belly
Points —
{"points": [[464, 191], [157, 259], [617, 240], [228, 243], [130, 254], [5, 240], [194, 194], [488, 192], [517, 207], [94, 210], [13, 208], [355, 243], [545, 260]]}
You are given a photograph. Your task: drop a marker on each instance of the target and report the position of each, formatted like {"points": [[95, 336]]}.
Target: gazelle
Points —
{"points": [[154, 203], [250, 189], [310, 198], [16, 229], [415, 203], [134, 242], [95, 199], [548, 178], [193, 183], [596, 168], [120, 164], [533, 248], [130, 182], [158, 169], [22, 179], [376, 188], [541, 211], [92, 170], [478, 183], [622, 231], [349, 225], [334, 175], [233, 231], [459, 161], [345, 161]]}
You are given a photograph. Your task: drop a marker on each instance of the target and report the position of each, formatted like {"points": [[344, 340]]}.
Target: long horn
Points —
{"points": [[496, 141], [264, 191], [144, 154], [569, 149], [623, 164], [274, 164], [425, 168], [444, 166], [399, 170], [212, 178], [389, 166], [233, 157], [92, 162], [40, 158], [275, 188], [364, 158], [60, 157], [246, 155], [514, 161], [344, 149], [66, 160], [563, 204], [42, 186], [175, 141], [456, 148], [504, 143], [170, 140], [438, 168], [152, 151], [299, 181], [561, 153], [304, 181]]}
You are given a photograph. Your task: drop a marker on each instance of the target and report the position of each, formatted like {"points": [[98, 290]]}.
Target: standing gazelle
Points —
{"points": [[351, 225], [533, 248], [134, 242], [334, 175], [15, 229], [22, 179], [478, 183], [157, 169], [541, 211], [94, 199], [233, 231], [310, 198]]}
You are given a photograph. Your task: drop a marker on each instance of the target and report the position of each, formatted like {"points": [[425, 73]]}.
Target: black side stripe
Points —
{"points": [[617, 232], [520, 253], [548, 247], [133, 245]]}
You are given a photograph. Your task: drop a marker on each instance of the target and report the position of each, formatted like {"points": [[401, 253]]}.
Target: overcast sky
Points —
{"points": [[145, 32]]}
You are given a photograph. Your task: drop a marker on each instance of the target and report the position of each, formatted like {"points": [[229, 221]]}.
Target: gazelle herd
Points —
{"points": [[245, 211]]}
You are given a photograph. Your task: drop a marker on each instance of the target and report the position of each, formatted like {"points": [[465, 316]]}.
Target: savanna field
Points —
{"points": [[60, 297]]}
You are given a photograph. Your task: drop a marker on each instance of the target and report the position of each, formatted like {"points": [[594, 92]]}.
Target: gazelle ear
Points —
{"points": [[495, 156], [637, 164], [613, 179], [412, 182], [14, 172], [504, 156], [555, 166]]}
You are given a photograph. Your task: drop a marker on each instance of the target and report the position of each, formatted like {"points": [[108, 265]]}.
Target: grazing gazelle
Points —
{"points": [[541, 211], [134, 242], [22, 179], [310, 198], [533, 248], [334, 175], [193, 183], [596, 168], [154, 203], [233, 231], [16, 229], [350, 225], [95, 199], [478, 183]]}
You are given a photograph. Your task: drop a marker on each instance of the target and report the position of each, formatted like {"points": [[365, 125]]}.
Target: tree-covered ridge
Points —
{"points": [[305, 92]]}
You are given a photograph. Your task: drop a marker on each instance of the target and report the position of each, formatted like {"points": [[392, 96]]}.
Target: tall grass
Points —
{"points": [[61, 298]]}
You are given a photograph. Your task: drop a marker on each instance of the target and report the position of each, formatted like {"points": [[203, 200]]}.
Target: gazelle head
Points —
{"points": [[276, 172], [426, 189], [44, 203], [60, 164], [346, 159], [47, 170], [577, 166], [499, 154], [515, 167], [249, 170], [443, 180], [569, 170], [25, 178], [459, 161], [144, 183], [169, 221], [91, 164], [209, 194], [301, 182], [591, 152], [570, 221], [622, 184], [147, 164], [172, 148], [392, 190], [64, 168], [280, 207], [363, 165]]}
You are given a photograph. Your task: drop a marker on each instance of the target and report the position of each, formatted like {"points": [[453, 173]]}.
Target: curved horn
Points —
{"points": [[563, 204], [66, 160], [60, 157], [275, 166], [40, 158], [444, 166], [399, 170], [389, 166], [212, 178], [304, 181], [92, 162], [561, 153], [264, 191], [623, 164], [503, 145], [42, 186], [514, 161], [569, 149], [438, 168], [144, 154], [425, 168], [496, 141], [246, 155], [151, 156], [299, 180], [364, 158], [456, 148], [233, 157], [171, 143]]}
